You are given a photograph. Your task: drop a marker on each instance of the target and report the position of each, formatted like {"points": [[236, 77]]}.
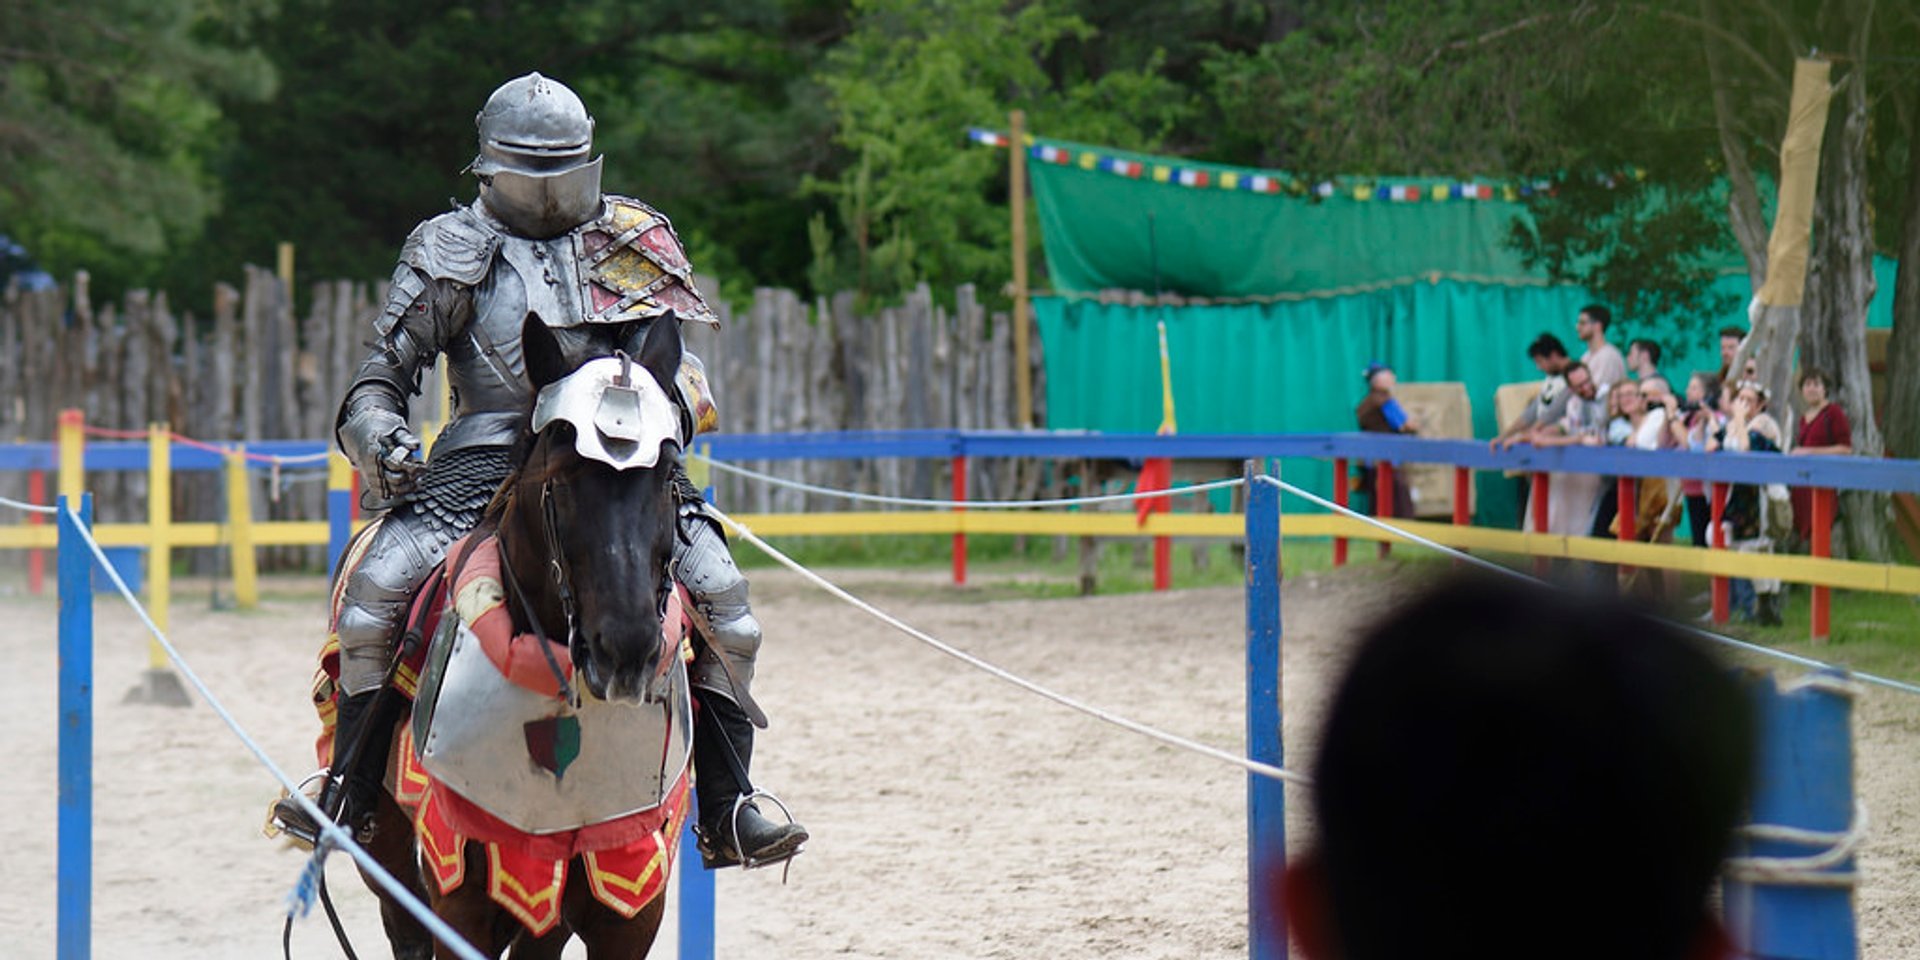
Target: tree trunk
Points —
{"points": [[1839, 284], [1903, 349], [1743, 198]]}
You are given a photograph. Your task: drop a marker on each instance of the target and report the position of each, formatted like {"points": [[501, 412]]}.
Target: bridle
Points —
{"points": [[562, 578]]}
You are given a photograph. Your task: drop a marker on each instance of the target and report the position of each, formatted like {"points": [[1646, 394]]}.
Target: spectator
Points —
{"points": [[1571, 496], [1619, 430], [1602, 358], [1485, 732], [1643, 358], [1823, 432], [1640, 424], [1549, 355], [1692, 422], [1730, 340], [1749, 429], [1381, 412]]}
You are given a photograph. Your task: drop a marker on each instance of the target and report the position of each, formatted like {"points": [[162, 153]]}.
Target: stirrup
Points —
{"points": [[720, 852], [284, 816]]}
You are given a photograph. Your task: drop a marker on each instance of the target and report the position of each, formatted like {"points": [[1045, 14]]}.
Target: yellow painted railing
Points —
{"points": [[241, 534]]}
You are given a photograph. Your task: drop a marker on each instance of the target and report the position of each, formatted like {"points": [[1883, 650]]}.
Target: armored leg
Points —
{"points": [[719, 590], [373, 611], [732, 831]]}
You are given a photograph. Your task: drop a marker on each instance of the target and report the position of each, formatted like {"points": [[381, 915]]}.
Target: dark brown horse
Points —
{"points": [[585, 547]]}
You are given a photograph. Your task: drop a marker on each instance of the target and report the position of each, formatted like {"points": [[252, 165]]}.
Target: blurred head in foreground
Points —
{"points": [[1513, 772]]}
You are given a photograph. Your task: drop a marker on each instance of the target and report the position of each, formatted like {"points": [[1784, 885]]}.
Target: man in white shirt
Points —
{"points": [[1603, 358]]}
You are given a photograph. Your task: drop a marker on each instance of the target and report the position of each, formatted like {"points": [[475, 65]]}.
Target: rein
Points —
{"points": [[561, 583]]}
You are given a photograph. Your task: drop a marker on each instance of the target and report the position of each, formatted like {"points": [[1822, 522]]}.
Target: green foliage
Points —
{"points": [[704, 110], [109, 111], [818, 143], [912, 203]]}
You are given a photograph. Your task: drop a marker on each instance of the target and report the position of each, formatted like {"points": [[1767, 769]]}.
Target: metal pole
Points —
{"points": [[1022, 307], [74, 882], [1266, 797]]}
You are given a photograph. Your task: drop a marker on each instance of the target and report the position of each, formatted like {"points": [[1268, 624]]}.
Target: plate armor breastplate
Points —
{"points": [[625, 266]]}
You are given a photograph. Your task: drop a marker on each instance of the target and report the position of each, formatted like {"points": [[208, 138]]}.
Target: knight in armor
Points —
{"points": [[541, 240]]}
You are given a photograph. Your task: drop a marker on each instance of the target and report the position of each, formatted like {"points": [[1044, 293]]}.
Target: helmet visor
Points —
{"points": [[540, 205]]}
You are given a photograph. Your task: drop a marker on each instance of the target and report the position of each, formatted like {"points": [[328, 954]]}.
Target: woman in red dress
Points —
{"points": [[1824, 431]]}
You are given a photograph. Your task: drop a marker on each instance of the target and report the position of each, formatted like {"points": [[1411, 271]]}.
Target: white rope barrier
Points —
{"points": [[1720, 638], [772, 480], [28, 507], [1812, 870], [1251, 766], [332, 834]]}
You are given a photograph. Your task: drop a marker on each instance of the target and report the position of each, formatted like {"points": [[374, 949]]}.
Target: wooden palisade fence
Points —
{"points": [[255, 370]]}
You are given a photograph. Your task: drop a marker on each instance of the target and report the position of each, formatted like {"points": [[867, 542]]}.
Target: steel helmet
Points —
{"points": [[534, 168]]}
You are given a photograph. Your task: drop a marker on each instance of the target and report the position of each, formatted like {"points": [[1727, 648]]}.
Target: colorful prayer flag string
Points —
{"points": [[1264, 181]]}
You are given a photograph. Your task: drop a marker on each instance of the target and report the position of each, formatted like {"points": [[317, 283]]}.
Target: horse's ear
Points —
{"points": [[660, 350], [546, 362]]}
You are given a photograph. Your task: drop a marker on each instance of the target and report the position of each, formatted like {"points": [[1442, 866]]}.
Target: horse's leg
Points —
{"points": [[608, 935], [472, 914], [528, 947], [392, 847]]}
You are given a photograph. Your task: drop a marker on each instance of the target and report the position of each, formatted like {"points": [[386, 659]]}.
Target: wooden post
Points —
{"points": [[960, 539], [1266, 798], [340, 477], [1340, 489], [1162, 562], [1804, 792], [1462, 497], [1822, 606], [159, 533], [1625, 504], [1717, 538], [73, 439], [1537, 505], [284, 263], [246, 565], [1383, 499], [159, 685], [73, 888], [36, 558], [1462, 501], [1022, 308]]}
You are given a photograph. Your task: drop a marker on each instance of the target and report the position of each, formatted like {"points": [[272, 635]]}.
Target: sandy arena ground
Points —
{"points": [[952, 815]]}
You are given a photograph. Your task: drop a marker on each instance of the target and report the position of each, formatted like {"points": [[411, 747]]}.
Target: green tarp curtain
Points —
{"points": [[1296, 365], [1291, 366], [1427, 286], [1106, 231]]}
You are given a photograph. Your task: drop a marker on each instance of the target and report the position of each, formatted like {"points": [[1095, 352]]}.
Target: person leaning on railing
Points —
{"points": [[1692, 422], [1823, 431], [1750, 429], [1571, 496]]}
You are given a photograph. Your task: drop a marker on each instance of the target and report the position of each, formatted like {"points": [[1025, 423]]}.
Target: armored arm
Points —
{"points": [[428, 303]]}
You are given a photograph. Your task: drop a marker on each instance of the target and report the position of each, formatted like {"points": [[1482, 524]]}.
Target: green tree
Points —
{"points": [[704, 110], [914, 202], [109, 110]]}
